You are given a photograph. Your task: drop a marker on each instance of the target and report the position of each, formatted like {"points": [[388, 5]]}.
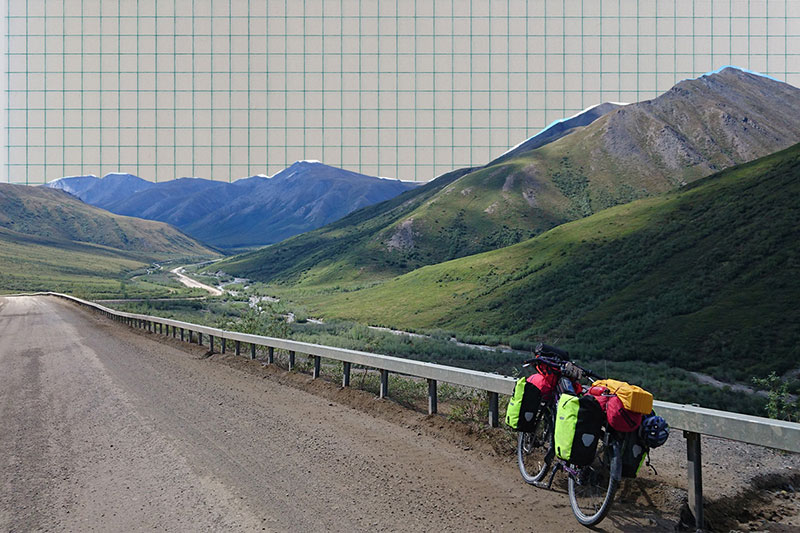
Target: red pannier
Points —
{"points": [[618, 417], [546, 383]]}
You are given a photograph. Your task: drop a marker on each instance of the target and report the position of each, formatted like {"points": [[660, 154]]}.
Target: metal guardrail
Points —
{"points": [[693, 420]]}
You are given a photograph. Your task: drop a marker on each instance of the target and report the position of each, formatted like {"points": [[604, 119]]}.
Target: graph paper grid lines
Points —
{"points": [[224, 89]]}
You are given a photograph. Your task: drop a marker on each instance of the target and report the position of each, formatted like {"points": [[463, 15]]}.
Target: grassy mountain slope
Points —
{"points": [[344, 250], [33, 263], [707, 278], [51, 241], [56, 215], [696, 128]]}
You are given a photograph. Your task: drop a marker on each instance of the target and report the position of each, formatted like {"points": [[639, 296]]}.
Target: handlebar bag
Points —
{"points": [[579, 423], [633, 398], [523, 407]]}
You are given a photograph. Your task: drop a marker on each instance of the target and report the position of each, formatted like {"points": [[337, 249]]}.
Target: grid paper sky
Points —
{"points": [[224, 89]]}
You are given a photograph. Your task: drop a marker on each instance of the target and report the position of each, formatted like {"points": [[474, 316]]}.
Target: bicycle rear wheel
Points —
{"points": [[592, 490], [535, 449]]}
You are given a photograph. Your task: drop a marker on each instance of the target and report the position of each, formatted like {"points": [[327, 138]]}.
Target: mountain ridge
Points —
{"points": [[55, 214], [248, 212], [702, 278], [633, 151]]}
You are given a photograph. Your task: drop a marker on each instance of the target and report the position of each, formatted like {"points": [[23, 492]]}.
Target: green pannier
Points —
{"points": [[579, 423], [523, 407], [634, 454]]}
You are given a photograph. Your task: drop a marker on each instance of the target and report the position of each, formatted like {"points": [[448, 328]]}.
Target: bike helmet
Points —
{"points": [[654, 430]]}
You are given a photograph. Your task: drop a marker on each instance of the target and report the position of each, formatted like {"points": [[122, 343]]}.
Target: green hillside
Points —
{"points": [[345, 250], [696, 128], [51, 241], [707, 278], [54, 214], [30, 263]]}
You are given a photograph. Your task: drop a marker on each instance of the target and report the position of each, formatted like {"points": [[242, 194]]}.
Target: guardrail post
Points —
{"points": [[432, 407], [291, 360], [211, 343], [694, 457], [237, 349], [149, 326], [160, 328], [345, 374], [200, 339], [181, 334], [252, 351], [223, 343], [494, 413], [173, 332], [317, 362], [384, 384], [270, 355]]}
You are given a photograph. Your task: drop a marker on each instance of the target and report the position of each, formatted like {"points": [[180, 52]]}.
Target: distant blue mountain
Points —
{"points": [[249, 212], [101, 192]]}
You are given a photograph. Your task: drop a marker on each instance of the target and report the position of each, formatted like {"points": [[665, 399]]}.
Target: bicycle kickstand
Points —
{"points": [[556, 468]]}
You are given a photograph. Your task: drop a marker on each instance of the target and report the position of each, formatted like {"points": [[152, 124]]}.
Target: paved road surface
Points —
{"points": [[105, 428]]}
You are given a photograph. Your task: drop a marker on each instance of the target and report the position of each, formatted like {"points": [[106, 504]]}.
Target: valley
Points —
{"points": [[669, 272]]}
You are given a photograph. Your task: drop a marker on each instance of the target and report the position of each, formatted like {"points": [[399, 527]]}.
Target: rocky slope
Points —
{"points": [[578, 167]]}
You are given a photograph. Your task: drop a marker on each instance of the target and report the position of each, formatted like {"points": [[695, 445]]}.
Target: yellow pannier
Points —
{"points": [[633, 398]]}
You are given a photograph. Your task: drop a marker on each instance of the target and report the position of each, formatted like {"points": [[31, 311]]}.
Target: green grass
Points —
{"points": [[56, 215], [29, 264], [666, 382], [51, 241], [705, 279]]}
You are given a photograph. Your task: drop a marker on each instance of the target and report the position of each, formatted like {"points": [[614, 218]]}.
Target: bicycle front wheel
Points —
{"points": [[535, 449], [592, 490]]}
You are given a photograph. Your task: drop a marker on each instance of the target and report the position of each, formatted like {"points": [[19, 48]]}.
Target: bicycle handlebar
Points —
{"points": [[558, 363]]}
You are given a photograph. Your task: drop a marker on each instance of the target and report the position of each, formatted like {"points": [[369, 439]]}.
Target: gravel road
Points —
{"points": [[106, 428], [193, 283]]}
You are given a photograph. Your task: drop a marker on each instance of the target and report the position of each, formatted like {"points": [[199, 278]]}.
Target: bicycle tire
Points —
{"points": [[602, 477], [534, 450]]}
